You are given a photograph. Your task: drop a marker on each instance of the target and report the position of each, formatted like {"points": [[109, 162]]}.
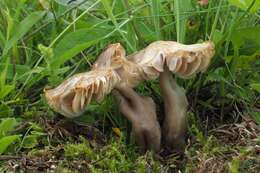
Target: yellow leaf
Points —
{"points": [[45, 4], [117, 131]]}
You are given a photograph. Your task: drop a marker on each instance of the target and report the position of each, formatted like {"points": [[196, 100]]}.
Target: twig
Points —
{"points": [[50, 21], [7, 157]]}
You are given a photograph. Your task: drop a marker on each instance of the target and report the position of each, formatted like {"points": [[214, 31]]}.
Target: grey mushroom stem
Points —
{"points": [[175, 106], [140, 111]]}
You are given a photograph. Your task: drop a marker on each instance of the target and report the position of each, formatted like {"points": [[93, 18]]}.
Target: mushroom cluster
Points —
{"points": [[114, 71]]}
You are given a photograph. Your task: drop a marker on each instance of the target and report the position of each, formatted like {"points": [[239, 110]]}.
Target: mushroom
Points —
{"points": [[169, 57], [139, 110], [114, 70]]}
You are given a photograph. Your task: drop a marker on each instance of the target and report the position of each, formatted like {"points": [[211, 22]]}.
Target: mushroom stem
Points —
{"points": [[140, 111], [175, 105]]}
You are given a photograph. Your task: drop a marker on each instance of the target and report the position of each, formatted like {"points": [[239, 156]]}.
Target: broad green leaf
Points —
{"points": [[218, 75], [5, 90], [46, 51], [30, 141], [7, 125], [217, 36], [83, 4], [6, 141], [35, 127], [45, 4], [256, 115], [23, 27], [242, 62], [19, 70], [5, 111], [85, 119], [234, 165], [75, 42], [241, 36], [147, 34], [41, 72], [244, 4], [255, 86], [89, 22], [249, 33]]}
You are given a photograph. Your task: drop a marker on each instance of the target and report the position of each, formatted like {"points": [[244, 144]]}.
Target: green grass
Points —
{"points": [[44, 42]]}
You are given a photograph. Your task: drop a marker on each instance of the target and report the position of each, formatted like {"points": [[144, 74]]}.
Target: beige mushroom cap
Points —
{"points": [[183, 60], [72, 96]]}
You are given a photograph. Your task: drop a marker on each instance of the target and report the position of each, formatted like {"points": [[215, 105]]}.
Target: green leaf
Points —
{"points": [[19, 70], [256, 116], [217, 36], [242, 62], [255, 86], [234, 165], [218, 76], [83, 3], [46, 4], [85, 119], [5, 111], [147, 34], [23, 27], [5, 90], [46, 51], [7, 125], [75, 42], [35, 127], [6, 141], [248, 33], [244, 4], [242, 37], [30, 141]]}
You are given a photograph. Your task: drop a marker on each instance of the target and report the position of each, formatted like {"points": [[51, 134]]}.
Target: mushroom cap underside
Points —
{"points": [[72, 96]]}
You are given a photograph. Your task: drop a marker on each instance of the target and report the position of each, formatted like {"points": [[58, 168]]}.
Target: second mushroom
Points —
{"points": [[113, 70]]}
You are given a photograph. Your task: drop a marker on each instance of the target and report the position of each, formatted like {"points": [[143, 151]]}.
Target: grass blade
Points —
{"points": [[75, 42], [110, 14], [6, 141], [181, 7], [7, 125], [23, 27], [156, 17]]}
